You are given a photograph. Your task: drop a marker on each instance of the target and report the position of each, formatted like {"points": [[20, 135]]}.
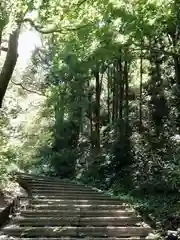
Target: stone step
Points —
{"points": [[56, 183], [60, 187], [48, 183], [79, 206], [65, 213], [69, 196], [76, 221], [64, 189], [59, 191], [31, 175], [59, 184], [44, 178], [76, 198], [74, 238], [53, 182], [72, 201], [13, 230]]}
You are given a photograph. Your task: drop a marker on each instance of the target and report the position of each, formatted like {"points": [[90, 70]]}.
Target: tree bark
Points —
{"points": [[140, 90], [116, 91], [126, 80], [97, 109], [108, 94], [114, 95], [177, 70], [90, 113], [121, 89], [9, 64]]}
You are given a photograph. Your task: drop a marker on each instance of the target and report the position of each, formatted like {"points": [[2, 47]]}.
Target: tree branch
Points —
{"points": [[4, 49], [148, 48], [80, 3], [28, 90], [54, 29]]}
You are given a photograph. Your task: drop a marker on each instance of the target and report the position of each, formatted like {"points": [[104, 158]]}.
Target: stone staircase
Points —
{"points": [[57, 209]]}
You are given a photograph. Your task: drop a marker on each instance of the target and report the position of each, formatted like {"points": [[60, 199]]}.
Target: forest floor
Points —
{"points": [[161, 211]]}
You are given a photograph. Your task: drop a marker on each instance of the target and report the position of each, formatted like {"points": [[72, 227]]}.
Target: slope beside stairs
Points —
{"points": [[57, 209]]}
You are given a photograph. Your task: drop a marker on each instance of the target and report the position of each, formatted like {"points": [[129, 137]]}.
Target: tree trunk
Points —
{"points": [[114, 95], [90, 113], [108, 94], [121, 90], [177, 70], [140, 90], [9, 64], [97, 109], [177, 93], [116, 91], [91, 125], [126, 98], [59, 110]]}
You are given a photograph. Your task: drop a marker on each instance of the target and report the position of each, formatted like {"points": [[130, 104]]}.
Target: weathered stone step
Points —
{"points": [[69, 196], [75, 198], [67, 189], [71, 192], [76, 221], [76, 238], [53, 182], [25, 176], [44, 178], [47, 184], [63, 213], [76, 231], [79, 206], [62, 188], [72, 201]]}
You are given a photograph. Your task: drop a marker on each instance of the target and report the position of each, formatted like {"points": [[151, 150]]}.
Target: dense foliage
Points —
{"points": [[110, 75]]}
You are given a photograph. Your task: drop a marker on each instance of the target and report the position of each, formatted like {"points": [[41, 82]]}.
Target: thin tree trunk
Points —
{"points": [[177, 78], [90, 114], [121, 90], [158, 71], [177, 70], [91, 126], [59, 110], [111, 93], [97, 109], [140, 90], [108, 94], [116, 91], [126, 80], [114, 95], [9, 64]]}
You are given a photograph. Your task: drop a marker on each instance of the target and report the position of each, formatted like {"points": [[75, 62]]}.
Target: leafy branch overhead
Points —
{"points": [[18, 16], [54, 28]]}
